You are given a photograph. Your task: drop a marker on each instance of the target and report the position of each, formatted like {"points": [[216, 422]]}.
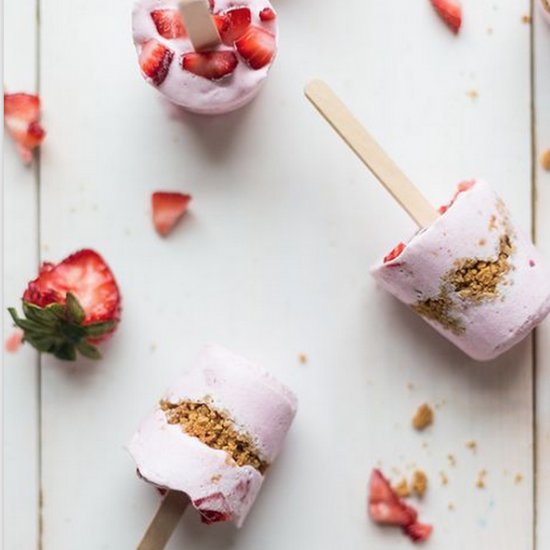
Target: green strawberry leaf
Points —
{"points": [[87, 350], [75, 312]]}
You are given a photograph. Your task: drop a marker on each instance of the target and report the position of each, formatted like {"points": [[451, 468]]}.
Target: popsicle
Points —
{"points": [[469, 271], [207, 67], [214, 435], [545, 8]]}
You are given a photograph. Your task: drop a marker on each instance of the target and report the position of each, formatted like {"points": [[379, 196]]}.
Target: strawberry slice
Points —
{"points": [[386, 508], [232, 24], [169, 23], [21, 116], [257, 46], [397, 251], [154, 60], [211, 65], [450, 11], [70, 306], [267, 14], [168, 208]]}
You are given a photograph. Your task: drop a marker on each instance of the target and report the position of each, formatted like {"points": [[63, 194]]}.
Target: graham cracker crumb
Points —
{"points": [[423, 417], [215, 478], [472, 94], [452, 460], [302, 358], [451, 507], [410, 386], [419, 483], [489, 30], [472, 445], [214, 429], [545, 159], [439, 309], [444, 479], [518, 479], [481, 477], [526, 19], [402, 489], [482, 242]]}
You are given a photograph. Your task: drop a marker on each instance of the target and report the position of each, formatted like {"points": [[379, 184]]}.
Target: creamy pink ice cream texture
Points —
{"points": [[195, 93], [258, 404], [473, 276], [545, 9]]}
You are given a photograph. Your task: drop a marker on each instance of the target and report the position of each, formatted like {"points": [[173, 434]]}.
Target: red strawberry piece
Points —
{"points": [[232, 24], [22, 115], [450, 11], [257, 46], [70, 306], [418, 532], [14, 340], [168, 208], [385, 506], [397, 251], [213, 508], [211, 65], [462, 188], [154, 60], [267, 14], [169, 23]]}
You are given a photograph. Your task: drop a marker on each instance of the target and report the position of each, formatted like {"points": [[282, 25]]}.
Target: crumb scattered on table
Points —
{"points": [[518, 479], [472, 445], [423, 417], [444, 478], [481, 478], [402, 489], [410, 386], [472, 94], [452, 459], [526, 19], [489, 30], [545, 159], [302, 358], [419, 483], [451, 507]]}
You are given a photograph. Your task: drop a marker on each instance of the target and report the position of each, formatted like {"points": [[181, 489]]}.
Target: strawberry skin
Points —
{"points": [[168, 209], [450, 11], [211, 65], [232, 24], [169, 23], [22, 115], [418, 532], [395, 253], [257, 47], [155, 60], [70, 306], [267, 14]]}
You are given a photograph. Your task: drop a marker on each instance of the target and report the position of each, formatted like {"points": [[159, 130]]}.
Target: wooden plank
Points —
{"points": [[20, 260], [542, 178], [273, 261]]}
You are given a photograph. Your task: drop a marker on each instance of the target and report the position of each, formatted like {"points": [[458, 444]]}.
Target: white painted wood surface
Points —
{"points": [[21, 374], [542, 134], [273, 261]]}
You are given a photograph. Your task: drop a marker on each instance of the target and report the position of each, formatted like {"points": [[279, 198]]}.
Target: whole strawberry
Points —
{"points": [[70, 307]]}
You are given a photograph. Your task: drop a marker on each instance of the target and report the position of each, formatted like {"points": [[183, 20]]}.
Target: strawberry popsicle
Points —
{"points": [[215, 433], [220, 79], [472, 275], [545, 9]]}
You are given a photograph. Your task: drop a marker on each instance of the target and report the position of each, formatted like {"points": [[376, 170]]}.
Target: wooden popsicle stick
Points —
{"points": [[165, 521], [372, 155], [199, 24]]}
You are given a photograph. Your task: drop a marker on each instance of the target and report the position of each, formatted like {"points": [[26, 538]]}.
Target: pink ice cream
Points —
{"points": [[545, 9], [472, 275], [212, 82], [252, 402]]}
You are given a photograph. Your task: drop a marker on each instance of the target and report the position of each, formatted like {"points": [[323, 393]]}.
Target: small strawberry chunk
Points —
{"points": [[462, 188], [211, 65], [257, 46], [397, 251], [169, 23], [168, 208], [154, 60], [232, 24], [450, 11], [418, 532], [267, 14], [21, 116], [14, 341]]}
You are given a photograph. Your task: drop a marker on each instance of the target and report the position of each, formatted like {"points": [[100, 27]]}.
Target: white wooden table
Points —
{"points": [[273, 262]]}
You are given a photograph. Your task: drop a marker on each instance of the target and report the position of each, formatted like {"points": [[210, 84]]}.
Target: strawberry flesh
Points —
{"points": [[169, 23], [267, 14], [257, 47], [450, 11], [14, 341], [213, 508], [22, 115], [462, 188], [168, 208], [154, 60], [232, 24], [211, 65], [387, 508], [397, 251]]}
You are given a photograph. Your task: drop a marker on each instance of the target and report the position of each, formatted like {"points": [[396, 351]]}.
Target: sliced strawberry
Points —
{"points": [[211, 65], [397, 251], [168, 208], [450, 11], [169, 23], [385, 506], [267, 14], [14, 341], [257, 46], [418, 532], [22, 115], [70, 306], [154, 60], [232, 24]]}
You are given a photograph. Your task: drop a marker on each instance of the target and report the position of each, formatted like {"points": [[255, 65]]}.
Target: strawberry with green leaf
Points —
{"points": [[70, 307]]}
